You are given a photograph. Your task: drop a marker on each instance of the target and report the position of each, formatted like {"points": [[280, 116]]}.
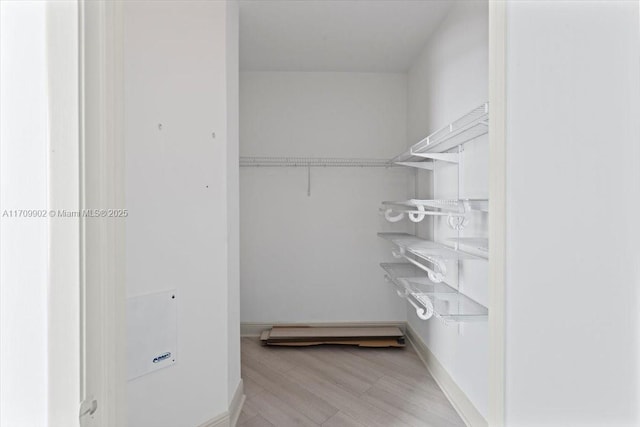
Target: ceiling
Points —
{"points": [[335, 35]]}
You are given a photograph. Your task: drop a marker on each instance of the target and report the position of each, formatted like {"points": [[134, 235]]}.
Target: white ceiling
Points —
{"points": [[335, 35]]}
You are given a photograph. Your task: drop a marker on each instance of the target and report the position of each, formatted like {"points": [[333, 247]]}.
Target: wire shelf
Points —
{"points": [[246, 161], [416, 210], [465, 129], [427, 249], [448, 205], [430, 298]]}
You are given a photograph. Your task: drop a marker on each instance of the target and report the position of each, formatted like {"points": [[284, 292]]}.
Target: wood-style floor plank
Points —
{"points": [[342, 420], [278, 412], [251, 388], [348, 402], [256, 421], [340, 386], [333, 372], [294, 394], [411, 413], [429, 396], [248, 412]]}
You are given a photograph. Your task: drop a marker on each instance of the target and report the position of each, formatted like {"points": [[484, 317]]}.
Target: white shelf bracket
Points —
{"points": [[419, 165], [457, 222], [445, 157]]}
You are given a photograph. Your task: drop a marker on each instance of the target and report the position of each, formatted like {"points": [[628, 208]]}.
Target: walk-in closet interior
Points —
{"points": [[364, 174], [326, 164], [355, 213], [362, 171]]}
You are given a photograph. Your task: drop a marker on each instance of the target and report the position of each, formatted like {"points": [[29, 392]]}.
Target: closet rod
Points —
{"points": [[314, 162]]}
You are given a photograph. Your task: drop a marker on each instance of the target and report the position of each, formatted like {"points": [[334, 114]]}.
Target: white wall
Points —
{"points": [[315, 259], [24, 243], [573, 174], [178, 192], [449, 79]]}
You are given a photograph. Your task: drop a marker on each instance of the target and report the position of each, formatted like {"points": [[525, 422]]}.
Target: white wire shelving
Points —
{"points": [[422, 277], [313, 162], [419, 252], [434, 147], [416, 210], [305, 162], [430, 298], [425, 248], [445, 205]]}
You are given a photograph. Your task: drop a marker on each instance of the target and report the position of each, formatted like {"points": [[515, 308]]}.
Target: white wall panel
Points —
{"points": [[573, 194], [177, 192], [315, 259]]}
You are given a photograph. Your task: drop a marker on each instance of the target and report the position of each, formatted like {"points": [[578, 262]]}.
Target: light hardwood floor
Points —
{"points": [[335, 386]]}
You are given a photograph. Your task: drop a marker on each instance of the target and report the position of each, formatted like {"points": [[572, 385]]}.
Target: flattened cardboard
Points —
{"points": [[302, 336], [328, 332], [359, 343]]}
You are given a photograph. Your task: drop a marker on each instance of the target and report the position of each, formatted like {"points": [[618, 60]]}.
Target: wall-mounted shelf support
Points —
{"points": [[445, 157], [420, 165]]}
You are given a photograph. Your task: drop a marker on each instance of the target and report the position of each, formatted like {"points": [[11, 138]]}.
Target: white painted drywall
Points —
{"points": [[573, 174], [345, 35], [449, 79], [315, 258], [177, 193], [24, 241]]}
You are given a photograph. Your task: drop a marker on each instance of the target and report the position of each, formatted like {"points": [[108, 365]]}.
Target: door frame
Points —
{"points": [[498, 209], [84, 41], [107, 96], [102, 241], [64, 295]]}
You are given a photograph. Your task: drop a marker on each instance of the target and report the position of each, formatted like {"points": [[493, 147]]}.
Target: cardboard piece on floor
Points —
{"points": [[359, 343], [335, 332], [299, 336]]}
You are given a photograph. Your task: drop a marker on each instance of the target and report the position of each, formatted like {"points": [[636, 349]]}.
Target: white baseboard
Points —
{"points": [[236, 404], [230, 417], [221, 420], [456, 396], [254, 329]]}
